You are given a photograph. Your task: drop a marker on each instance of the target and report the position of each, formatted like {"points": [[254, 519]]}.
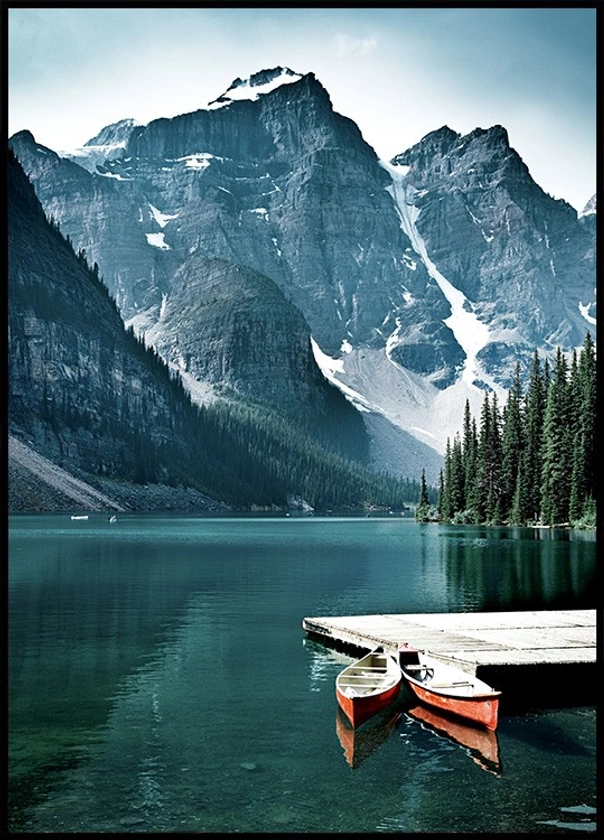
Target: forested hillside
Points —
{"points": [[94, 399]]}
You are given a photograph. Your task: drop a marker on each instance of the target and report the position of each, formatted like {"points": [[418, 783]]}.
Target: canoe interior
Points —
{"points": [[437, 676], [372, 674]]}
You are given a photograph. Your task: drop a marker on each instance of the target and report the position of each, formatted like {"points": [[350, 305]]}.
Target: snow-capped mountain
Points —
{"points": [[422, 280]]}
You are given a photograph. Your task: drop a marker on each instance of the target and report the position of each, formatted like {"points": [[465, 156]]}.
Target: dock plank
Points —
{"points": [[474, 640]]}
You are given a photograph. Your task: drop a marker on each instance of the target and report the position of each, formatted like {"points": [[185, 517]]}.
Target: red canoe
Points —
{"points": [[367, 686], [448, 688]]}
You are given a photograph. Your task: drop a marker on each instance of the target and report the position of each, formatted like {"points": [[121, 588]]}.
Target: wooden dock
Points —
{"points": [[490, 644]]}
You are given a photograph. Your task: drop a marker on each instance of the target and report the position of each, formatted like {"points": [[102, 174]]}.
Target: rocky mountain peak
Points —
{"points": [[24, 136], [265, 77], [588, 219], [590, 207], [116, 134], [445, 154], [432, 153], [494, 137], [436, 143]]}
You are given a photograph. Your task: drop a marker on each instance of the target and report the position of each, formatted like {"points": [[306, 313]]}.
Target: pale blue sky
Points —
{"points": [[398, 73]]}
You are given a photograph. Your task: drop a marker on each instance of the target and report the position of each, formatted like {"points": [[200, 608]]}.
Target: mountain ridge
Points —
{"points": [[381, 258]]}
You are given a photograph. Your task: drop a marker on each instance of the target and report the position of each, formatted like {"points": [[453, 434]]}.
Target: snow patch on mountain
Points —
{"points": [[115, 175], [330, 367], [157, 240], [584, 309], [162, 219], [200, 160], [376, 384], [471, 334], [255, 86]]}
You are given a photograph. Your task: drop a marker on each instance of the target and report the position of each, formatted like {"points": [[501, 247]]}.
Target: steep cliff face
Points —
{"points": [[521, 257], [81, 388], [99, 217]]}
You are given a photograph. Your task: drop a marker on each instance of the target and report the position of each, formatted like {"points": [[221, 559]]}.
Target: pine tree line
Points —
{"points": [[252, 454], [531, 462]]}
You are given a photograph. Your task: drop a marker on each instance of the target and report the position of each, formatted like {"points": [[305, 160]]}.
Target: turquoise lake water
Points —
{"points": [[160, 679]]}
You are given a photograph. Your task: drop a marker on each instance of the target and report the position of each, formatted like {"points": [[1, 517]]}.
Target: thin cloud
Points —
{"points": [[346, 45]]}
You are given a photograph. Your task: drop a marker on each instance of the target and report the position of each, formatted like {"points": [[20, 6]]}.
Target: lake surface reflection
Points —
{"points": [[160, 681]]}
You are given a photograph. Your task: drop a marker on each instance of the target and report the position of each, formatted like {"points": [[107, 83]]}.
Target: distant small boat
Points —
{"points": [[448, 688], [367, 686], [113, 518], [79, 517]]}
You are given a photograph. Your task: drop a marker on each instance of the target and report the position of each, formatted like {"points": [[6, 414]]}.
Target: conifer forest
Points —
{"points": [[530, 463]]}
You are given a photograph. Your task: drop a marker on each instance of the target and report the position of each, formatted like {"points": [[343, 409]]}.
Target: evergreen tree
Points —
{"points": [[557, 447], [578, 495], [493, 508], [422, 512], [472, 486], [489, 460], [577, 479], [445, 509], [456, 478], [529, 492], [587, 418], [482, 459], [469, 447], [441, 494], [512, 444]]}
